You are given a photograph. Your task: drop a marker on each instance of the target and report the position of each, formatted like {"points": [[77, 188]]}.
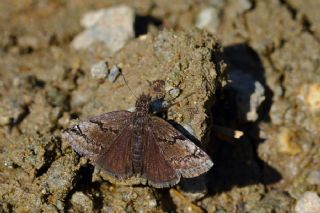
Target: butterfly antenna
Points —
{"points": [[125, 81]]}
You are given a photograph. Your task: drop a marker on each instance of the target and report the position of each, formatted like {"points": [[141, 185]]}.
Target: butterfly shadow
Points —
{"points": [[237, 163]]}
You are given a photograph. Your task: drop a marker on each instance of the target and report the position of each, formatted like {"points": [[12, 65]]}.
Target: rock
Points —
{"points": [[113, 27], [246, 4], [182, 203], [310, 94], [208, 19], [174, 92], [308, 203], [60, 179], [28, 41], [249, 95], [273, 201], [314, 177], [12, 111], [82, 202], [114, 73], [31, 152], [286, 142], [188, 128], [99, 70]]}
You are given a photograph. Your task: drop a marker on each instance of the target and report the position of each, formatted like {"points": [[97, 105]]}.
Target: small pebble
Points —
{"points": [[82, 201], [246, 4], [256, 98], [208, 19], [249, 95], [100, 70], [132, 109], [313, 97], [152, 203], [114, 73], [60, 205], [8, 164], [112, 27], [314, 177], [174, 92], [188, 128], [308, 203], [286, 143], [182, 203]]}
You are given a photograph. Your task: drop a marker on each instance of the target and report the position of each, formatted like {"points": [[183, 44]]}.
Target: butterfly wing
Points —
{"points": [[187, 159], [156, 169], [116, 160], [96, 135]]}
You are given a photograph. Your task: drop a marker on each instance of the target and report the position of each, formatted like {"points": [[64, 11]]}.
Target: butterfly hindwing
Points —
{"points": [[117, 159], [180, 153], [156, 169]]}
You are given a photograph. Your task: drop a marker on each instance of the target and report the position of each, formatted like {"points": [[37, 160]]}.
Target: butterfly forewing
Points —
{"points": [[89, 138], [180, 153]]}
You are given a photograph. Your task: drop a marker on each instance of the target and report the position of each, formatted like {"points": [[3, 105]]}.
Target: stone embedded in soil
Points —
{"points": [[208, 19], [12, 111], [174, 92], [100, 70], [82, 202], [187, 72], [308, 203], [286, 142], [312, 97], [182, 203], [112, 26], [60, 178], [32, 152], [273, 201]]}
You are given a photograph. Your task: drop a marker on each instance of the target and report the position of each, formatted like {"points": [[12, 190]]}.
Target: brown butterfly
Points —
{"points": [[124, 144]]}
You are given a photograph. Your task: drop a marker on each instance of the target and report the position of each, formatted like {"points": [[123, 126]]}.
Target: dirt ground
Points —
{"points": [[254, 68]]}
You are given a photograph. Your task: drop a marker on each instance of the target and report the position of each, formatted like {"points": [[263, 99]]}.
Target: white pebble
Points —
{"points": [[188, 128], [174, 92], [208, 19], [114, 73], [100, 70], [308, 203], [112, 26]]}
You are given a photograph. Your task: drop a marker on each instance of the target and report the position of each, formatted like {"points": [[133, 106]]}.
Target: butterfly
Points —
{"points": [[124, 144]]}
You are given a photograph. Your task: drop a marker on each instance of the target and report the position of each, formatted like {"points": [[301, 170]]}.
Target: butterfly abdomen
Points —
{"points": [[137, 147]]}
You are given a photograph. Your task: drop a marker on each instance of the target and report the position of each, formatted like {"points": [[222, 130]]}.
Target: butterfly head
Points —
{"points": [[143, 103]]}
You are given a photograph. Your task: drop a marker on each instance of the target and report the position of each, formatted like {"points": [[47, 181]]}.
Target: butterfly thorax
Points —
{"points": [[140, 123], [143, 104]]}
